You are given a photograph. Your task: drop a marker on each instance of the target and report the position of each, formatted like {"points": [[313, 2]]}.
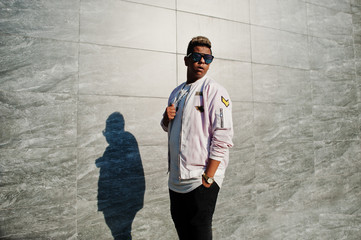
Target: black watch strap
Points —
{"points": [[208, 180]]}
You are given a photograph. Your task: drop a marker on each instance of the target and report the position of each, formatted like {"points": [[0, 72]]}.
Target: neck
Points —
{"points": [[192, 80], [189, 81]]}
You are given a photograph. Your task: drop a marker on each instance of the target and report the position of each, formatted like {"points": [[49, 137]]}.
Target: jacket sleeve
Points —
{"points": [[221, 124], [165, 128]]}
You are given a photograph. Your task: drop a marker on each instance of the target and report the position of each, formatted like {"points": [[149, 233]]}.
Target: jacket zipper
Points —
{"points": [[221, 115]]}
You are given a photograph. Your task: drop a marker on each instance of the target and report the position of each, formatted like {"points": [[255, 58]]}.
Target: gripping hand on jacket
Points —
{"points": [[169, 114]]}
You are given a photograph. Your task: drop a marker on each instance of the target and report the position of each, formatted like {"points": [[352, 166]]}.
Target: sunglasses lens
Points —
{"points": [[208, 58], [197, 57]]}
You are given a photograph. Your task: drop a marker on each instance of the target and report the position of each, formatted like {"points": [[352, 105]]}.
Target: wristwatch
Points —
{"points": [[208, 180]]}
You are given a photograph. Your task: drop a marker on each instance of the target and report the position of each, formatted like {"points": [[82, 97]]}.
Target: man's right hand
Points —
{"points": [[169, 114], [171, 111]]}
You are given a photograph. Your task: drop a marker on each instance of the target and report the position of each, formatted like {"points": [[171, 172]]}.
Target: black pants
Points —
{"points": [[192, 212]]}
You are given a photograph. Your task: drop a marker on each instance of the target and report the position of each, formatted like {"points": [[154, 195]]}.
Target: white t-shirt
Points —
{"points": [[174, 182]]}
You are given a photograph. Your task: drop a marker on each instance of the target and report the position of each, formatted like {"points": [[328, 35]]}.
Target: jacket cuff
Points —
{"points": [[217, 158], [163, 126]]}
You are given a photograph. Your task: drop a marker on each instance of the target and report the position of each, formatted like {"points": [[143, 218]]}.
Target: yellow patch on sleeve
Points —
{"points": [[224, 101]]}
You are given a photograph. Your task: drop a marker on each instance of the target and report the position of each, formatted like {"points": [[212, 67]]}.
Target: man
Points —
{"points": [[198, 120]]}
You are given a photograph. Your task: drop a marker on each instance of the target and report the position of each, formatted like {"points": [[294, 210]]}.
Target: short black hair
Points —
{"points": [[199, 41]]}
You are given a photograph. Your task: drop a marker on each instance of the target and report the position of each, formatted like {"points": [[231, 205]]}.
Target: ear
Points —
{"points": [[186, 61]]}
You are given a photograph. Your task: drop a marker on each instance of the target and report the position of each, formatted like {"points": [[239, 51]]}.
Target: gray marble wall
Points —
{"points": [[84, 83]]}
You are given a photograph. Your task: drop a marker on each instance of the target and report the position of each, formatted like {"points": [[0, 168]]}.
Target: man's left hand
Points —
{"points": [[205, 184]]}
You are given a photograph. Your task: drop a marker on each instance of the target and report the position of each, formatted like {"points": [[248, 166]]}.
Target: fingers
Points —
{"points": [[171, 111], [207, 185]]}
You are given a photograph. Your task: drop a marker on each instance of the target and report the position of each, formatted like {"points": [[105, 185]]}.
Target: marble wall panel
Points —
{"points": [[357, 43], [284, 225], [236, 227], [338, 92], [235, 10], [221, 33], [291, 196], [340, 5], [339, 226], [160, 227], [156, 197], [356, 17], [153, 163], [91, 184], [94, 177], [280, 14], [46, 19], [282, 122], [283, 161], [37, 120], [243, 124], [241, 170], [356, 21], [330, 54], [275, 84], [337, 158], [37, 167], [355, 3], [36, 196], [235, 197], [328, 23], [37, 177], [359, 117], [38, 65], [333, 59], [141, 117], [337, 194], [332, 123], [128, 24], [55, 222], [333, 76], [107, 70], [234, 217], [88, 172], [91, 223], [98, 192], [235, 76], [358, 79], [159, 3], [275, 47], [38, 193]]}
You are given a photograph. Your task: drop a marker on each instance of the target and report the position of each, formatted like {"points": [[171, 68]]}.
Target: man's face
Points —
{"points": [[197, 70]]}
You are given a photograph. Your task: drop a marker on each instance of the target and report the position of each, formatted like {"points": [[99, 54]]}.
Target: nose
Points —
{"points": [[202, 60]]}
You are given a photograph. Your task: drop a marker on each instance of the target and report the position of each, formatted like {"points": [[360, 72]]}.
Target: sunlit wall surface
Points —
{"points": [[83, 86]]}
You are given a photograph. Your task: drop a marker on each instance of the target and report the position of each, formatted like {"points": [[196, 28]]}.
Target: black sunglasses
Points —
{"points": [[196, 57]]}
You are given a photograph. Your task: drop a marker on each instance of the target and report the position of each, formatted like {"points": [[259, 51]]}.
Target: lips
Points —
{"points": [[200, 69]]}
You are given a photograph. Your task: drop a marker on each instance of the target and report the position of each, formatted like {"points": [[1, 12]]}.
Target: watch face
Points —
{"points": [[210, 180]]}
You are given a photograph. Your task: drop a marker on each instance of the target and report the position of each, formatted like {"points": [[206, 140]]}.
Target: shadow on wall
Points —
{"points": [[121, 183]]}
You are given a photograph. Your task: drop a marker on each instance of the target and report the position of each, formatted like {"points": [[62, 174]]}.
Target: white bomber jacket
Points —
{"points": [[207, 127]]}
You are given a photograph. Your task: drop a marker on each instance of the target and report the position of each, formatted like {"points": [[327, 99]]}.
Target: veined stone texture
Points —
{"points": [[84, 84]]}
